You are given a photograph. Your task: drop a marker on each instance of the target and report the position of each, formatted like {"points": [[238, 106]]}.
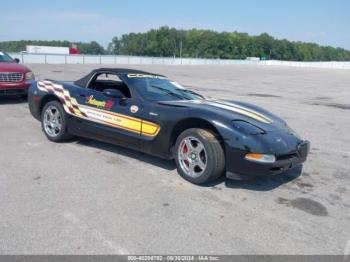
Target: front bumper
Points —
{"points": [[10, 89], [240, 168]]}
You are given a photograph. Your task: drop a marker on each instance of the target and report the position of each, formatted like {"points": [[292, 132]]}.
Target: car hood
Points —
{"points": [[235, 110], [13, 67]]}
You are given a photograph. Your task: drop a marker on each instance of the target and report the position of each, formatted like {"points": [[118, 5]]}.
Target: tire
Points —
{"points": [[206, 159], [58, 129]]}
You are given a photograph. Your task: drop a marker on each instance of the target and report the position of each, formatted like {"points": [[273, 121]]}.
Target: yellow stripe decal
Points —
{"points": [[132, 124], [72, 107], [243, 111], [249, 110]]}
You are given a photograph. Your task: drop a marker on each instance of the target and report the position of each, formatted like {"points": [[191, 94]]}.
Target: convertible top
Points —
{"points": [[83, 82]]}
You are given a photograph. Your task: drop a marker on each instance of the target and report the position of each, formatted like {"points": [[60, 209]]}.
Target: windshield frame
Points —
{"points": [[6, 55], [171, 94]]}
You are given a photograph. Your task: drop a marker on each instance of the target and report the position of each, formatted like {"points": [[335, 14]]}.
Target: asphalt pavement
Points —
{"points": [[87, 197]]}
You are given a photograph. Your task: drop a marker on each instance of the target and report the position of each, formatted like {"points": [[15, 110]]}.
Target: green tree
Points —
{"points": [[18, 46], [167, 41]]}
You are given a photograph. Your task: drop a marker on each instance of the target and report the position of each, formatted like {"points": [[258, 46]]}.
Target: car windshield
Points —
{"points": [[5, 57], [157, 88]]}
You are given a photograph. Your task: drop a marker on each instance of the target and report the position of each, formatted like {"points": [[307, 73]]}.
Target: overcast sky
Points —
{"points": [[321, 21]]}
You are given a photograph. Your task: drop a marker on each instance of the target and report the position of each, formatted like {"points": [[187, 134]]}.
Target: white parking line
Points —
{"points": [[96, 234]]}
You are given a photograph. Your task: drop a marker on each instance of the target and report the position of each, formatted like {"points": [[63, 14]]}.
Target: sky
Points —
{"points": [[320, 21]]}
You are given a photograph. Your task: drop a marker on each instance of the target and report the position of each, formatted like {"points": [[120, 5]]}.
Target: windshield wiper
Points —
{"points": [[189, 91], [168, 92]]}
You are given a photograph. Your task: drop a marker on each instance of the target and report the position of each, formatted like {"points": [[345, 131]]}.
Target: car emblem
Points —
{"points": [[134, 109]]}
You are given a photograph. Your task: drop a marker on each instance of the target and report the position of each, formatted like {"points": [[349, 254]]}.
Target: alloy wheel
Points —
{"points": [[192, 157], [52, 121]]}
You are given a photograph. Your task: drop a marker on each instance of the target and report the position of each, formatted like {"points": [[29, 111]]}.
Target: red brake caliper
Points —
{"points": [[184, 151]]}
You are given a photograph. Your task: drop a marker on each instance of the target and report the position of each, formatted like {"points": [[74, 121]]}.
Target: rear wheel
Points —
{"points": [[53, 121], [199, 156]]}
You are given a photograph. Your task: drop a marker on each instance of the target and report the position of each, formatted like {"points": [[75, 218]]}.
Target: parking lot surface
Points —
{"points": [[87, 197]]}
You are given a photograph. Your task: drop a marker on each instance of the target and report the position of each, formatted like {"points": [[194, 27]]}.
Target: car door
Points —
{"points": [[111, 119]]}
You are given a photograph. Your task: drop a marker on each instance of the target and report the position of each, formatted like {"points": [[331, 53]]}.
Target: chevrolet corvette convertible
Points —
{"points": [[153, 114]]}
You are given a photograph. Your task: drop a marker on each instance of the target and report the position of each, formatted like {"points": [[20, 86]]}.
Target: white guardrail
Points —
{"points": [[140, 60]]}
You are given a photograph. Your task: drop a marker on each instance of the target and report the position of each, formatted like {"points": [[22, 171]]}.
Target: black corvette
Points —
{"points": [[152, 114]]}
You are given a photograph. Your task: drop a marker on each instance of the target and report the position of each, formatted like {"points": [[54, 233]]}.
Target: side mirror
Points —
{"points": [[17, 60], [113, 93]]}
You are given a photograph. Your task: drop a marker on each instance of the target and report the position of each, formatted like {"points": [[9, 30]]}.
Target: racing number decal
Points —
{"points": [[97, 115]]}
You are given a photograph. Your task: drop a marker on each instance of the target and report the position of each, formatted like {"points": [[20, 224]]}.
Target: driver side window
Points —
{"points": [[103, 81]]}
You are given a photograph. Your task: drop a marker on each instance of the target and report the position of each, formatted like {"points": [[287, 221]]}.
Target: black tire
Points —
{"points": [[215, 159], [63, 134]]}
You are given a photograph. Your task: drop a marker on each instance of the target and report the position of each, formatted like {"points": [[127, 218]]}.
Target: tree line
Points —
{"points": [[171, 42], [168, 42], [92, 48]]}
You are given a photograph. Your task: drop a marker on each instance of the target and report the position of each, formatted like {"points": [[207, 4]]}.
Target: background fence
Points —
{"points": [[140, 60]]}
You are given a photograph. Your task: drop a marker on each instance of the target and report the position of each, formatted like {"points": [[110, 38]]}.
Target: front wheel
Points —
{"points": [[53, 121], [199, 156]]}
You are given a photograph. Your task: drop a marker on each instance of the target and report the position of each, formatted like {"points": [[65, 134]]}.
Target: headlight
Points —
{"points": [[261, 158], [29, 76], [247, 128]]}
